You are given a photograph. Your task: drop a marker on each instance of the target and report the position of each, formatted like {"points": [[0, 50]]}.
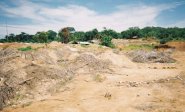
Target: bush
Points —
{"points": [[107, 41], [163, 41], [73, 39]]}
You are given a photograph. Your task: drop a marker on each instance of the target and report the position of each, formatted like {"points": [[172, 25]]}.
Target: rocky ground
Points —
{"points": [[75, 78]]}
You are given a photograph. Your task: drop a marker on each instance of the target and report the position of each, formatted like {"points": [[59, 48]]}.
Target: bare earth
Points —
{"points": [[126, 87]]}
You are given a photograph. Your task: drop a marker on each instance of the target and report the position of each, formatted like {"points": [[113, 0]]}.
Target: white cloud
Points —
{"points": [[82, 18]]}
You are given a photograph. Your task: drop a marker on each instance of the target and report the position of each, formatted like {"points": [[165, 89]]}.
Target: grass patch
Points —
{"points": [[139, 47], [5, 47], [38, 48], [28, 48]]}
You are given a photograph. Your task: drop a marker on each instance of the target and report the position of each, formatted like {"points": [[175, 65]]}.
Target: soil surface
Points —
{"points": [[124, 86], [178, 45]]}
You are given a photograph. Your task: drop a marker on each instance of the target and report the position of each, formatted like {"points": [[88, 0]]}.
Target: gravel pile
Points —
{"points": [[92, 62], [150, 57], [5, 94], [7, 54]]}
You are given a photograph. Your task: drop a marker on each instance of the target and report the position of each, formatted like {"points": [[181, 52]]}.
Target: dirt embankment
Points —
{"points": [[178, 45]]}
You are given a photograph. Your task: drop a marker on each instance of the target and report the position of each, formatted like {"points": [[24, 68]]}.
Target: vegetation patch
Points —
{"points": [[28, 48], [139, 47], [83, 45], [107, 41]]}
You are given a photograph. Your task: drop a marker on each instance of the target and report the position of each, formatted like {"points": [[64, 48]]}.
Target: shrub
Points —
{"points": [[163, 41], [107, 41]]}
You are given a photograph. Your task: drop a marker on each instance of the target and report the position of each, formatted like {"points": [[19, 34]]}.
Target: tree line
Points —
{"points": [[69, 34]]}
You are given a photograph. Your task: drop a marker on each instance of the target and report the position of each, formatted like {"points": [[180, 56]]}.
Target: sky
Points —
{"points": [[31, 16]]}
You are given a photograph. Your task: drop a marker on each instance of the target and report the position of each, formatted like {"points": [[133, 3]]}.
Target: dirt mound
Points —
{"points": [[7, 54], [117, 59], [34, 82], [34, 75], [6, 90], [89, 60], [54, 44], [29, 80], [142, 56]]}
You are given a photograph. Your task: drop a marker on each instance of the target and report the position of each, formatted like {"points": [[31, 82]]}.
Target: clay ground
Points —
{"points": [[130, 87]]}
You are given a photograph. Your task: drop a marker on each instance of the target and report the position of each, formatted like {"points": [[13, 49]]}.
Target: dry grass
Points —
{"points": [[138, 47], [108, 95], [99, 78]]}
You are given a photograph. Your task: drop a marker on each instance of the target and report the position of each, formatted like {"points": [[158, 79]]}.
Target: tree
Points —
{"points": [[10, 37], [22, 37], [68, 33], [64, 35], [90, 35], [79, 36], [131, 32], [52, 35], [111, 33], [106, 41], [41, 37]]}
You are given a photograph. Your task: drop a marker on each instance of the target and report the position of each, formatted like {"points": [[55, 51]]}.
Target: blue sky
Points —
{"points": [[31, 16]]}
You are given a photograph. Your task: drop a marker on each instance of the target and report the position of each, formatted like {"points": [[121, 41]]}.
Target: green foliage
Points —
{"points": [[78, 36], [84, 36], [28, 48], [90, 35], [41, 37], [163, 41], [68, 34], [131, 32], [107, 41], [163, 34], [3, 40], [52, 35], [111, 33], [22, 37]]}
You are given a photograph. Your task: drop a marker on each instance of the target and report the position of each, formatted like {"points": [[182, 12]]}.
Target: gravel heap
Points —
{"points": [[142, 56], [92, 62]]}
